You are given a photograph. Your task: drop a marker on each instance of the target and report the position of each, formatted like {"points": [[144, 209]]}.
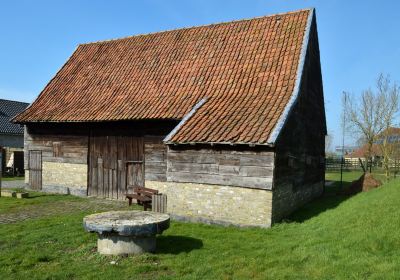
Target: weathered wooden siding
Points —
{"points": [[252, 169], [69, 145], [300, 148], [64, 160], [116, 165], [74, 149], [155, 159]]}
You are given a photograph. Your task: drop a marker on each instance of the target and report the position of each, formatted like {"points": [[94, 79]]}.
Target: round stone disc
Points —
{"points": [[127, 223]]}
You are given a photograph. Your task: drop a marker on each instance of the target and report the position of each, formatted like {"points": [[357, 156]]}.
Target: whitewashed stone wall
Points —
{"points": [[217, 204], [64, 178]]}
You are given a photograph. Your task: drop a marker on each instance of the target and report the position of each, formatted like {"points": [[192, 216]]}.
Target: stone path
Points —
{"points": [[13, 184], [61, 208]]}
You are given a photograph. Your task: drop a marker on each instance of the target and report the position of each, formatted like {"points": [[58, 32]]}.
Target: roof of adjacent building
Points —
{"points": [[8, 110], [392, 136], [230, 82]]}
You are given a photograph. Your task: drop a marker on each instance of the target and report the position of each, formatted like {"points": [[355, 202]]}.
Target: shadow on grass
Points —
{"points": [[329, 200], [37, 195], [175, 244]]}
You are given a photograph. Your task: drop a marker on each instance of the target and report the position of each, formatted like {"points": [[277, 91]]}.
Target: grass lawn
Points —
{"points": [[335, 237], [12, 178]]}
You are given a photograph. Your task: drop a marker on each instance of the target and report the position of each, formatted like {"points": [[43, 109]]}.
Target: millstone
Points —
{"points": [[126, 232]]}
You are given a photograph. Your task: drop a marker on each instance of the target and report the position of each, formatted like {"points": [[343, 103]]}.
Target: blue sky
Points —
{"points": [[358, 39]]}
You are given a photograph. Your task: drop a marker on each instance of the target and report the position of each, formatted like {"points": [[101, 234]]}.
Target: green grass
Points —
{"points": [[335, 237], [8, 205], [349, 176], [12, 178]]}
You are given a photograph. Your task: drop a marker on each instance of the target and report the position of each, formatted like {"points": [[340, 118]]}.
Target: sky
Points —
{"points": [[358, 39]]}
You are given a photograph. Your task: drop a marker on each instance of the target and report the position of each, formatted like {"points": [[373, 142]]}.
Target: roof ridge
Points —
{"points": [[196, 26]]}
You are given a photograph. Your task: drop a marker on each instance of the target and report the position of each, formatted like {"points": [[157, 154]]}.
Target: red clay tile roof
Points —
{"points": [[362, 152], [376, 150], [245, 71]]}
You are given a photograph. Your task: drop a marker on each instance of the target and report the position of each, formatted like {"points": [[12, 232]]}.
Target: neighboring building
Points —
{"points": [[11, 135], [347, 150], [393, 138], [227, 119]]}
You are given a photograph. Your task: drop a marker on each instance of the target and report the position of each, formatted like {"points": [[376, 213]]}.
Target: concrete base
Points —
{"points": [[22, 195], [114, 244], [5, 193]]}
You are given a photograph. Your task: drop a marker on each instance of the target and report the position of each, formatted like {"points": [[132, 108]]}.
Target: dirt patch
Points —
{"points": [[365, 183]]}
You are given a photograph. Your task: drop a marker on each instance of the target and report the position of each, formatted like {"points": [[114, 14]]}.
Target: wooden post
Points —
{"points": [[159, 203]]}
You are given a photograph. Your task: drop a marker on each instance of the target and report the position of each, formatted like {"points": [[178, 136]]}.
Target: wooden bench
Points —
{"points": [[142, 196]]}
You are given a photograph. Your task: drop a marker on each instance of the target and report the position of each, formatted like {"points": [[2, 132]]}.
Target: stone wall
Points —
{"points": [[216, 204], [64, 178], [286, 199], [9, 151]]}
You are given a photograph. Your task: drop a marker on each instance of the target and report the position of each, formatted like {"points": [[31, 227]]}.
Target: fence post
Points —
{"points": [[159, 203], [341, 173]]}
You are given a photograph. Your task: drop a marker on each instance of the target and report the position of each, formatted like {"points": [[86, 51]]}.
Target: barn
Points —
{"points": [[226, 119]]}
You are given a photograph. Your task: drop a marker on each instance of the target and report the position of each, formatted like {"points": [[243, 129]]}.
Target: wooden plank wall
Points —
{"points": [[300, 148], [252, 169], [112, 159], [155, 159], [73, 149]]}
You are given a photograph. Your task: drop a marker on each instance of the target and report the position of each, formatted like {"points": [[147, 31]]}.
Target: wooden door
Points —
{"points": [[134, 175], [35, 170], [115, 162]]}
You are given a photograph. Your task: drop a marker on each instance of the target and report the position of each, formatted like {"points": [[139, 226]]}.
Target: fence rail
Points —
{"points": [[353, 164]]}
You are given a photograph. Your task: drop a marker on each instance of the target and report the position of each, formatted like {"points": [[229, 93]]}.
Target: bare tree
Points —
{"points": [[373, 112], [390, 92]]}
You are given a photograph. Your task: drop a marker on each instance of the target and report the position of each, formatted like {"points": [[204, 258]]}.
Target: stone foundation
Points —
{"points": [[286, 200], [114, 244], [216, 204], [26, 179], [64, 178]]}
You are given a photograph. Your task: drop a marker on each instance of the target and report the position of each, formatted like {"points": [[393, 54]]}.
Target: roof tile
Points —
{"points": [[246, 69]]}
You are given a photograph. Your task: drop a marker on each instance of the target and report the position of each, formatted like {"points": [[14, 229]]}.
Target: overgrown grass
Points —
{"points": [[356, 237]]}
